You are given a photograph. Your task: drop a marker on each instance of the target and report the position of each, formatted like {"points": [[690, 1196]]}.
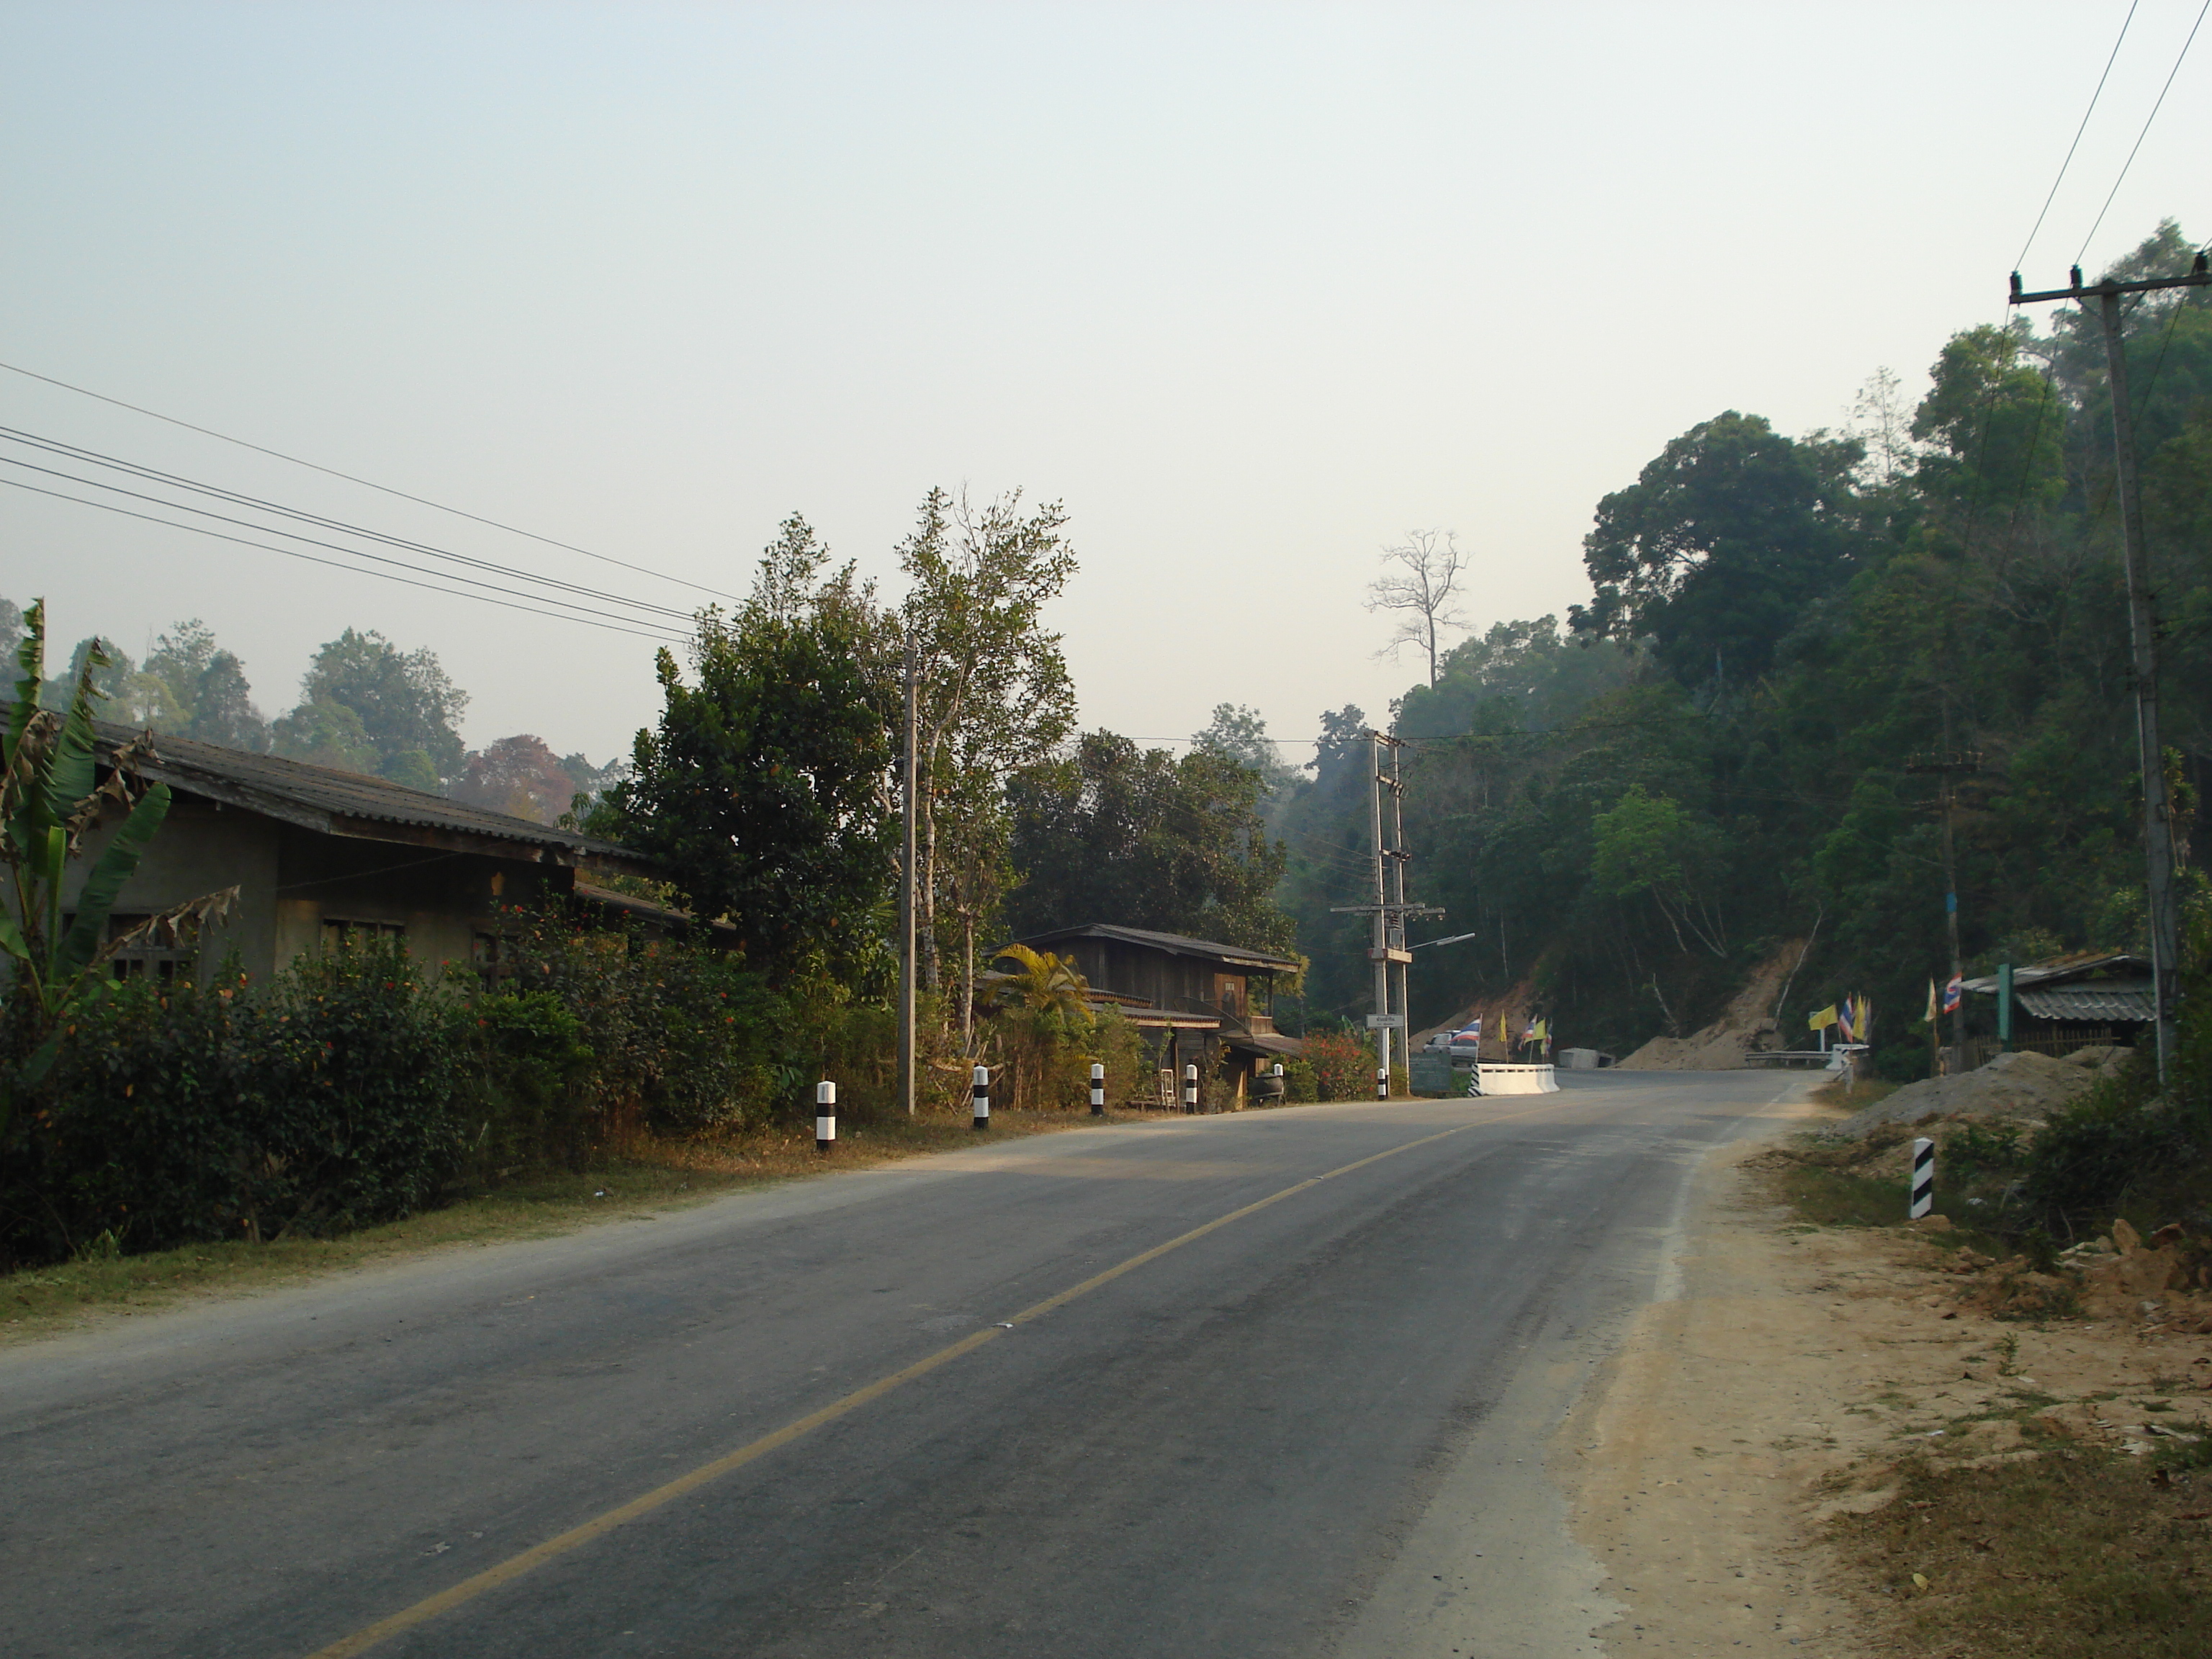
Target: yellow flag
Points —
{"points": [[1930, 1015], [1822, 1018]]}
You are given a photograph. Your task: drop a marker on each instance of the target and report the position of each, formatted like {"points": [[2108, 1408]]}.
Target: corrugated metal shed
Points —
{"points": [[2105, 1001]]}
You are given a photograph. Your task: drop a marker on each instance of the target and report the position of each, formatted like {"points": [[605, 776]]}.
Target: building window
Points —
{"points": [[492, 954], [339, 932], [158, 958]]}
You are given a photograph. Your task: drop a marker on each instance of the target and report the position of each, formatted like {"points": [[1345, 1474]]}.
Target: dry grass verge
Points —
{"points": [[648, 1177], [2030, 1466], [2074, 1554]]}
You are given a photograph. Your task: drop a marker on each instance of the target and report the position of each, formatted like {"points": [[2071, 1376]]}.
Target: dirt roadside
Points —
{"points": [[1793, 1374]]}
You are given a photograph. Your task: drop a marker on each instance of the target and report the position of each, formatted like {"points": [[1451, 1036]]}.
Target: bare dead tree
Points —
{"points": [[1418, 580]]}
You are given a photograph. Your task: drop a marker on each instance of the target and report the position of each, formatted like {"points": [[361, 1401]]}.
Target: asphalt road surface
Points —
{"points": [[862, 1415]]}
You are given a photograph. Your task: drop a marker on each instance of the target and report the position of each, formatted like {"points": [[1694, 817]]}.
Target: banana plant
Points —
{"points": [[50, 797]]}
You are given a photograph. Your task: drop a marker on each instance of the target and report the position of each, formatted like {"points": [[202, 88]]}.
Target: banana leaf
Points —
{"points": [[113, 867]]}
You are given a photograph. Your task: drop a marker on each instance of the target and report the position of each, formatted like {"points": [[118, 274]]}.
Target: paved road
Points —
{"points": [[1290, 1435]]}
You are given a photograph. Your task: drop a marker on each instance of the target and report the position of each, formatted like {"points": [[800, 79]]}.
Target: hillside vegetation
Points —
{"points": [[1631, 807]]}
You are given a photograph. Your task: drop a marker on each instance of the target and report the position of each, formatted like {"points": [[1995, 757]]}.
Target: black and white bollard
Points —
{"points": [[1097, 1089], [1923, 1179], [825, 1117], [1190, 1089], [982, 1092], [1475, 1081], [1382, 1083]]}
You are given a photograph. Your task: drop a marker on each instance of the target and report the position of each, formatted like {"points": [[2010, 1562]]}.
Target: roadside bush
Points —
{"points": [[178, 1114], [681, 1038], [1299, 1086], [1343, 1065]]}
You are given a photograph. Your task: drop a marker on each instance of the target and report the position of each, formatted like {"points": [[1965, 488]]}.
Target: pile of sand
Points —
{"points": [[1720, 1046], [2011, 1086]]}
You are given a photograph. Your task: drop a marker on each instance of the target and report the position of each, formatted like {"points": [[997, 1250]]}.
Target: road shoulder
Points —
{"points": [[1686, 1465]]}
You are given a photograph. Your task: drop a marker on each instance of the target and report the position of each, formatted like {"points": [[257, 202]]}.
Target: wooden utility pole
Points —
{"points": [[2164, 912], [1945, 764], [907, 770]]}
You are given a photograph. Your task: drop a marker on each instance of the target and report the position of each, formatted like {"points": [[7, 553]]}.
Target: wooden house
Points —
{"points": [[1196, 1001], [318, 855]]}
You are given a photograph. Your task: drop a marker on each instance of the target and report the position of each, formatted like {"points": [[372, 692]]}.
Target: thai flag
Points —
{"points": [[1470, 1032], [1955, 990]]}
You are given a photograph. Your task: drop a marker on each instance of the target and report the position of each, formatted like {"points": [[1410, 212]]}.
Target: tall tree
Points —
{"points": [[406, 706], [994, 695], [1719, 545], [519, 775], [1114, 833], [1419, 585], [215, 703], [762, 790]]}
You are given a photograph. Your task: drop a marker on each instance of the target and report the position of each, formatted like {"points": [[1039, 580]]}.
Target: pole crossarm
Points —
{"points": [[2200, 278], [1398, 909]]}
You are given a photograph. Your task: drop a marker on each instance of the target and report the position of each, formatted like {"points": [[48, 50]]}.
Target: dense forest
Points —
{"points": [[1711, 755]]}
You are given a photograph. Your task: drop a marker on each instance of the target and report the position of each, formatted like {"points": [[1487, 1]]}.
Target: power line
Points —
{"points": [[332, 471], [294, 553], [2021, 261], [154, 475], [294, 535], [2145, 133]]}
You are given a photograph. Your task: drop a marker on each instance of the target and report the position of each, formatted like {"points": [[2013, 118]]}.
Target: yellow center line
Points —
{"points": [[600, 1525]]}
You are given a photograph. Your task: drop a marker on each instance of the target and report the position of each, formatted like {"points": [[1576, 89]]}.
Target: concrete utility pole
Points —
{"points": [[1379, 953], [907, 770], [2164, 915], [1390, 909]]}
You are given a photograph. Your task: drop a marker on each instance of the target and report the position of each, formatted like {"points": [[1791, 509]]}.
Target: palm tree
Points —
{"points": [[1044, 984]]}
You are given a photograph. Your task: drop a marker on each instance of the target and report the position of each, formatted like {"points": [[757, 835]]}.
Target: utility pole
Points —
{"points": [[1401, 956], [1379, 953], [2164, 915], [907, 770], [1389, 909], [1945, 764]]}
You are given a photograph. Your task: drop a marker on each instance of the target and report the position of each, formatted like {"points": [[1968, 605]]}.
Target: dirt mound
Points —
{"points": [[2021, 1084], [1720, 1046]]}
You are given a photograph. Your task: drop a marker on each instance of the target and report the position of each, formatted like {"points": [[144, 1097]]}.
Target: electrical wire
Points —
{"points": [[2021, 262], [365, 484], [294, 535], [294, 553], [2145, 133], [154, 475]]}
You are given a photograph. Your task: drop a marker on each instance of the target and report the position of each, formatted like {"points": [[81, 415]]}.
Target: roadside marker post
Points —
{"points": [[825, 1116], [1382, 1083], [1923, 1179], [1097, 1089], [1190, 1090], [982, 1093]]}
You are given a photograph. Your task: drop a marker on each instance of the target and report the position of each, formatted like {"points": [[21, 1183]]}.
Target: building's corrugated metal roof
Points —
{"points": [[1175, 944], [2101, 1001], [345, 803], [2060, 969]]}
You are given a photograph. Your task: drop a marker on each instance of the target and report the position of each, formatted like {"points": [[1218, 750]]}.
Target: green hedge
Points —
{"points": [[347, 1091]]}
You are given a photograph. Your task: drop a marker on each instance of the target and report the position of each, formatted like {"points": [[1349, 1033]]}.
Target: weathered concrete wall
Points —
{"points": [[293, 881]]}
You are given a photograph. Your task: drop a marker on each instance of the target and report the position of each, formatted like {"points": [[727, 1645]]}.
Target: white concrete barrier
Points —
{"points": [[1519, 1080]]}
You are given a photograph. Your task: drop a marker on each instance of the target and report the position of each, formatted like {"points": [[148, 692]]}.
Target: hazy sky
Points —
{"points": [[1252, 290]]}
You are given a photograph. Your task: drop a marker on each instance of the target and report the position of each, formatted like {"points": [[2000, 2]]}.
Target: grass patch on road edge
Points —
{"points": [[2076, 1554], [647, 1178]]}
